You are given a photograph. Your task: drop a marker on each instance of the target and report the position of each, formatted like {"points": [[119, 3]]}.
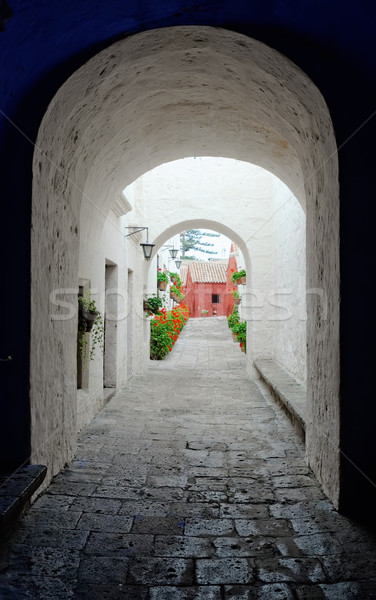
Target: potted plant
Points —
{"points": [[240, 331], [204, 312], [175, 278], [162, 280], [176, 293], [87, 312], [90, 320], [152, 304], [239, 277], [242, 339], [233, 317], [235, 295]]}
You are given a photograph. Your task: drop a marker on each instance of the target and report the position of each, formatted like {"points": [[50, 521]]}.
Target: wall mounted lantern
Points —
{"points": [[178, 263], [173, 251], [146, 247]]}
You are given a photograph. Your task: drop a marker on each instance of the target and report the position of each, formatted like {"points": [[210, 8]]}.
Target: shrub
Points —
{"points": [[165, 329]]}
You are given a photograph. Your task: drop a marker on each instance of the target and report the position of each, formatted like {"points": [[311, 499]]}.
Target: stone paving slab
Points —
{"points": [[203, 494]]}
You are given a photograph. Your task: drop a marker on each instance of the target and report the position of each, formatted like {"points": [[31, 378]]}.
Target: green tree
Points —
{"points": [[192, 240]]}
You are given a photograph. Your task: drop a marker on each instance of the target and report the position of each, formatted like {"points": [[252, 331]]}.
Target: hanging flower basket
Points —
{"points": [[176, 298], [162, 285]]}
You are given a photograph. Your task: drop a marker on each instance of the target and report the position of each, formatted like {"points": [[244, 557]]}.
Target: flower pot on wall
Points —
{"points": [[89, 317], [162, 285], [243, 280], [234, 337], [237, 301]]}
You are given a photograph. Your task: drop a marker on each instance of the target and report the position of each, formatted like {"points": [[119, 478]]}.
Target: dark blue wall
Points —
{"points": [[333, 42]]}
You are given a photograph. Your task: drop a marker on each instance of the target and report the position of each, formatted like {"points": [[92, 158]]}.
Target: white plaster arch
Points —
{"points": [[154, 97], [200, 223]]}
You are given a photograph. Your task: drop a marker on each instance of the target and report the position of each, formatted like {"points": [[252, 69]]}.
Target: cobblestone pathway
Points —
{"points": [[190, 484]]}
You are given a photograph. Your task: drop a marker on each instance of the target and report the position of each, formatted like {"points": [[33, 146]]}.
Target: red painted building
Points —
{"points": [[207, 287]]}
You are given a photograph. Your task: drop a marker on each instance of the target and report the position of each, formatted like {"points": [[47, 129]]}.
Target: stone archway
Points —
{"points": [[154, 97]]}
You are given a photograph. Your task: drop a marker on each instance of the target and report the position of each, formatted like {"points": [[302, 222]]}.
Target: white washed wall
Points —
{"points": [[289, 262], [250, 201]]}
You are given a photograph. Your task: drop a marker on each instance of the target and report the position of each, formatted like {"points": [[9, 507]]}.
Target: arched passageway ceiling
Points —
{"points": [[186, 91], [202, 224]]}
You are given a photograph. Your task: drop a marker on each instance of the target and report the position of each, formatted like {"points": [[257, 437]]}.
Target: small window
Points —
{"points": [[215, 299]]}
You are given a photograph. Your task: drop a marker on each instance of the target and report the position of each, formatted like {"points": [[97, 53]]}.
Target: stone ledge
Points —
{"points": [[289, 393], [16, 490]]}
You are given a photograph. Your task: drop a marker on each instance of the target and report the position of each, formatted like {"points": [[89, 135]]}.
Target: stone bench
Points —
{"points": [[290, 394], [16, 490]]}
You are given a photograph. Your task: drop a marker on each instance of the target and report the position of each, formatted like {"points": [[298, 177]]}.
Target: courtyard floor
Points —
{"points": [[189, 485]]}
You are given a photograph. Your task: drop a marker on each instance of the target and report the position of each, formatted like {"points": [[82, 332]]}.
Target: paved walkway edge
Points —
{"points": [[16, 491], [287, 391]]}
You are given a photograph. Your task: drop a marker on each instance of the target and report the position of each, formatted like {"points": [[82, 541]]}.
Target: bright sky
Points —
{"points": [[221, 244]]}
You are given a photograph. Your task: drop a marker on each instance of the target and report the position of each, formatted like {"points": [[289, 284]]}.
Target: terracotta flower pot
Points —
{"points": [[235, 337], [237, 301], [243, 280], [161, 285]]}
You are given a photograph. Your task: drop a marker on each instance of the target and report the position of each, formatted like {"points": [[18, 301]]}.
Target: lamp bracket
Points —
{"points": [[137, 230]]}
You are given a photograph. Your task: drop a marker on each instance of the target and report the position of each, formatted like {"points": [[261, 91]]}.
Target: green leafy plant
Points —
{"points": [[165, 329], [89, 320], [236, 275], [176, 291], [235, 294], [175, 278], [233, 318], [204, 311], [240, 329], [152, 304], [162, 276]]}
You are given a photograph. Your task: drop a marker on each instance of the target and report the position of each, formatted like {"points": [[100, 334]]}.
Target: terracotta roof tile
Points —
{"points": [[208, 272], [183, 274]]}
